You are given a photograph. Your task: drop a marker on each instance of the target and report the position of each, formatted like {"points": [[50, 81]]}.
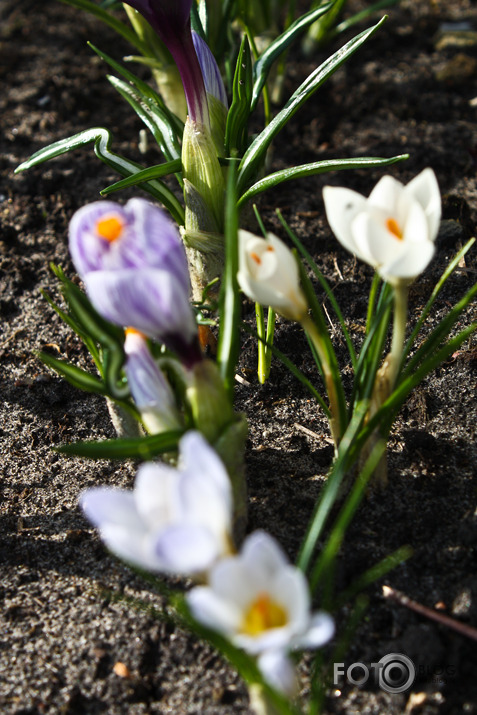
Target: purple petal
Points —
{"points": [[210, 71], [151, 300]]}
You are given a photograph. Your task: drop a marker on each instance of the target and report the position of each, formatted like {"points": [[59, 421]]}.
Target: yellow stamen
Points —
{"points": [[393, 227], [256, 258], [263, 614], [109, 228]]}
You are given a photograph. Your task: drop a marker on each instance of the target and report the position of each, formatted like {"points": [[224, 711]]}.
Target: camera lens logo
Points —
{"points": [[397, 673]]}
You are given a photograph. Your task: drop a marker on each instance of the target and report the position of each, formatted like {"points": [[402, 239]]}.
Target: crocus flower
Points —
{"points": [[394, 229], [171, 20], [260, 601], [268, 274], [134, 268], [175, 520], [150, 390]]}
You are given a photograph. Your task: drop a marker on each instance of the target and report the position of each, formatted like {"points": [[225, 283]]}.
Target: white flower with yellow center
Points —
{"points": [[268, 274], [394, 229], [260, 602]]}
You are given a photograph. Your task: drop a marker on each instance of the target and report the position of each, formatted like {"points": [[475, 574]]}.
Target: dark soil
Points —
{"points": [[62, 633]]}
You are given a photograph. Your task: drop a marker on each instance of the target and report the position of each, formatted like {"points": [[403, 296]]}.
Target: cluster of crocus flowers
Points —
{"points": [[132, 262], [179, 521]]}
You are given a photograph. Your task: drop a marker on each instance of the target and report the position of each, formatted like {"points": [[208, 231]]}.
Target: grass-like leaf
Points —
{"points": [[316, 167], [254, 155], [144, 448]]}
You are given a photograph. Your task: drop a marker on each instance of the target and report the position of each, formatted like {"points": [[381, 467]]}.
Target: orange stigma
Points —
{"points": [[109, 228], [133, 331], [393, 227], [256, 258]]}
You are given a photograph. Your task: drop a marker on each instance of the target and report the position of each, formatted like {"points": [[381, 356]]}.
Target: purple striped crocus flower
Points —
{"points": [[132, 262]]}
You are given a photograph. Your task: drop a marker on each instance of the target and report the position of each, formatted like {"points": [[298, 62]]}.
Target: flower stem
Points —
{"points": [[401, 292], [338, 415]]}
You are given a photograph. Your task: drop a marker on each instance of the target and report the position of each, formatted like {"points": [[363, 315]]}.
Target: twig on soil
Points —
{"points": [[403, 600]]}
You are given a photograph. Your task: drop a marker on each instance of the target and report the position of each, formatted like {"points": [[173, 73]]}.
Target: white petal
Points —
{"points": [[155, 494], [262, 555], [342, 206], [386, 195], [416, 229], [413, 262], [104, 505], [130, 546], [232, 581], [186, 549], [425, 189], [212, 611], [375, 240], [278, 671], [321, 629], [290, 589]]}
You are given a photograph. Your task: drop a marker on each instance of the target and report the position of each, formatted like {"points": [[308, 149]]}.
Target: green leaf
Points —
{"points": [[279, 45], [229, 301], [324, 284], [109, 19], [256, 151], [437, 289], [102, 141], [164, 125], [440, 333], [153, 172], [75, 375], [316, 167], [144, 448], [239, 112]]}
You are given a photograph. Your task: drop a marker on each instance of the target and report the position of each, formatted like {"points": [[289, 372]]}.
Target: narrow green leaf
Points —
{"points": [[316, 167], [256, 151], [102, 141], [279, 45], [153, 172], [144, 448], [437, 289], [75, 375], [324, 284], [109, 19], [169, 127], [229, 302], [239, 112], [440, 333]]}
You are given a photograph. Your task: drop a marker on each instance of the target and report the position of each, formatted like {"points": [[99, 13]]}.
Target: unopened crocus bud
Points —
{"points": [[215, 89], [268, 274], [171, 20], [150, 390], [202, 170], [134, 267], [393, 230]]}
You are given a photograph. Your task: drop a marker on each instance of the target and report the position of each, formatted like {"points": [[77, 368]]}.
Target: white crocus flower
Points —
{"points": [[268, 274], [261, 603], [393, 230], [176, 520]]}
